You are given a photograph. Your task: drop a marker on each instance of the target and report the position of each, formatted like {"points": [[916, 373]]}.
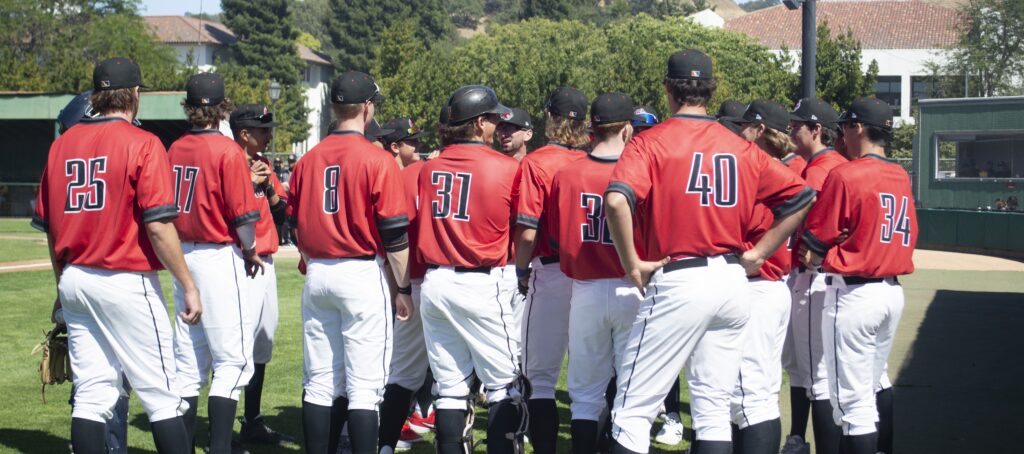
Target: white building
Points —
{"points": [[901, 35], [202, 42]]}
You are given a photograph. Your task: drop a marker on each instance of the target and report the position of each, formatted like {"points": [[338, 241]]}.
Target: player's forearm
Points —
{"points": [[525, 240], [620, 225], [247, 236], [58, 266], [399, 261], [167, 247], [781, 230]]}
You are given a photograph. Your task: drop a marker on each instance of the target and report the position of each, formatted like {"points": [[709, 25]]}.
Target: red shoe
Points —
{"points": [[420, 424], [407, 438]]}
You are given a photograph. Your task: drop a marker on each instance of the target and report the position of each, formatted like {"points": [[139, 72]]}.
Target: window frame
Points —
{"points": [[938, 137]]}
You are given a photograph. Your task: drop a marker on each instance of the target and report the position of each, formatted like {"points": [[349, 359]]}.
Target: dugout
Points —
{"points": [[28, 125], [969, 172]]}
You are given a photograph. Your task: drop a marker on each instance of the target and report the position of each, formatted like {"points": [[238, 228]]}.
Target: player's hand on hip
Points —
{"points": [[809, 259], [843, 235], [751, 260], [403, 307], [57, 313], [524, 284], [640, 274], [253, 263], [193, 307]]}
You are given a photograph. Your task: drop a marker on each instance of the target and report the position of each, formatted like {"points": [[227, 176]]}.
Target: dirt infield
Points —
{"points": [[955, 261]]}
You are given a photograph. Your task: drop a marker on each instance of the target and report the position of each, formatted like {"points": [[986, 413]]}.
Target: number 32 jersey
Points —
{"points": [[104, 179], [466, 206], [698, 184], [870, 197]]}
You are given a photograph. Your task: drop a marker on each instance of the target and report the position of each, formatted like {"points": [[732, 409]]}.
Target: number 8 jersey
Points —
{"points": [[870, 197], [698, 183], [104, 179]]}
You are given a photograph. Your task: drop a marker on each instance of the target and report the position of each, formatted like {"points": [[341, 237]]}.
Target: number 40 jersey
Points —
{"points": [[104, 179]]}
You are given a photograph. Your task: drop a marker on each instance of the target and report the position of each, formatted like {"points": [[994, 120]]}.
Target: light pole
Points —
{"points": [[275, 93], [809, 45]]}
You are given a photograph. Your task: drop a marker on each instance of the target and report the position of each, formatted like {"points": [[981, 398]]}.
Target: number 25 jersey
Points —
{"points": [[466, 206], [870, 197]]}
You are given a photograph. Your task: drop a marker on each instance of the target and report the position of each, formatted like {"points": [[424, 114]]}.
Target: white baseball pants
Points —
{"points": [[696, 314], [510, 292], [804, 356], [755, 398], [409, 361], [600, 320], [222, 340], [467, 328], [264, 312], [859, 327], [545, 327], [347, 332]]}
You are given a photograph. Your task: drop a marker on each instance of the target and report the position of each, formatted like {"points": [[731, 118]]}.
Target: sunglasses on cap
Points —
{"points": [[645, 119]]}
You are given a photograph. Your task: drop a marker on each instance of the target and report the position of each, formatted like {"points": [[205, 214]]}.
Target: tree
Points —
{"points": [[52, 45], [989, 52], [355, 26], [840, 79], [549, 9], [311, 17], [754, 5]]}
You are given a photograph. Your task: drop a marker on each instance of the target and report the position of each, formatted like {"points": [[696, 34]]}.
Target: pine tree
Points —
{"points": [[356, 26], [266, 37]]}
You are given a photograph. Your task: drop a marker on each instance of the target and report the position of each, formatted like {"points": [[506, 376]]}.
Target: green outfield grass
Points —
{"points": [[17, 225], [955, 385], [19, 241]]}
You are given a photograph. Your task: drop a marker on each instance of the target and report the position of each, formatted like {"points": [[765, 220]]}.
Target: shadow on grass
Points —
{"points": [[32, 441], [960, 387]]}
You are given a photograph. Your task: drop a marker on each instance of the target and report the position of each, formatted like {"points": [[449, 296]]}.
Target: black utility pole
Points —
{"points": [[809, 45]]}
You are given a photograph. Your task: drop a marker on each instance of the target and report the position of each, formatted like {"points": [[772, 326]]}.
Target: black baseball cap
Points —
{"points": [[251, 116], [518, 117], [472, 101], [612, 108], [204, 89], [117, 72], [870, 111], [568, 102], [355, 87], [766, 112], [731, 108], [814, 110], [374, 131], [689, 64], [402, 128]]}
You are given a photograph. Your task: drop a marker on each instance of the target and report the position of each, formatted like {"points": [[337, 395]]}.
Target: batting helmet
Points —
{"points": [[473, 101], [78, 108]]}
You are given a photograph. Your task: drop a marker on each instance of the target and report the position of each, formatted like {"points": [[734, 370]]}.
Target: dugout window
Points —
{"points": [[979, 156]]}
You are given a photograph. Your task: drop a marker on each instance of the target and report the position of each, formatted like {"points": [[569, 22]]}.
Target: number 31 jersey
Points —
{"points": [[870, 197], [698, 183], [466, 206], [104, 179]]}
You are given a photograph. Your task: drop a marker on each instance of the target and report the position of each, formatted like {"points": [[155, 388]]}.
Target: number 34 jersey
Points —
{"points": [[104, 179], [871, 198], [698, 183], [466, 205]]}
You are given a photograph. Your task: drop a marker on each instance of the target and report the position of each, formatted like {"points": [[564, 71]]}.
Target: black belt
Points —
{"points": [[857, 280], [804, 269], [549, 260], [466, 269], [696, 262], [362, 257]]}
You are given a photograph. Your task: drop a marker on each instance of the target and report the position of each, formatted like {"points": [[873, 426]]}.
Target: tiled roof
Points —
{"points": [[877, 24], [188, 30]]}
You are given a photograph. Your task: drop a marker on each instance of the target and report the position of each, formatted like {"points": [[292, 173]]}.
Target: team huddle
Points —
{"points": [[735, 246]]}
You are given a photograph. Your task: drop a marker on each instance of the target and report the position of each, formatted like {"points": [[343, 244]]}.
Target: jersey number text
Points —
{"points": [[723, 175], [331, 176], [595, 230], [185, 175], [86, 190], [441, 207], [896, 220]]}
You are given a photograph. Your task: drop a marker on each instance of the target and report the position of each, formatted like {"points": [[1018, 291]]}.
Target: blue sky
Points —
{"points": [[177, 7]]}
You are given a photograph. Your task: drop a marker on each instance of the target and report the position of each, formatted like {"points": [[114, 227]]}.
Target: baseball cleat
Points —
{"points": [[671, 432], [795, 444], [420, 424], [257, 431]]}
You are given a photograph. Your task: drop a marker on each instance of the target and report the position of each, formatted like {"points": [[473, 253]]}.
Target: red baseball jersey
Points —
{"points": [[466, 206], [342, 193], [410, 180], [779, 264], [822, 162], [104, 179], [697, 184], [576, 221], [213, 190], [870, 197], [267, 238], [533, 185], [795, 162]]}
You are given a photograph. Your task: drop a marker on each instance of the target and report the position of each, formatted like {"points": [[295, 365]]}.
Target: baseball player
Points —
{"points": [[105, 202], [217, 213], [696, 300], [757, 424], [604, 303], [251, 126], [813, 131], [870, 197], [514, 132], [374, 133], [729, 110], [545, 325], [409, 364], [465, 209], [347, 206]]}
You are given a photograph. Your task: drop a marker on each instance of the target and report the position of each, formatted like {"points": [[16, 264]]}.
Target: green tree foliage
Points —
{"points": [[525, 62], [311, 17], [754, 5], [53, 45], [265, 51], [840, 78], [355, 26], [990, 51], [549, 9]]}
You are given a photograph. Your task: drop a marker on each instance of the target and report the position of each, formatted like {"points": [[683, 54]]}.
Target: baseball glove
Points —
{"points": [[55, 366]]}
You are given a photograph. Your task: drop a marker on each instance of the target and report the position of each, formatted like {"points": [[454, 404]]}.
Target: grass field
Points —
{"points": [[958, 384], [19, 241]]}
